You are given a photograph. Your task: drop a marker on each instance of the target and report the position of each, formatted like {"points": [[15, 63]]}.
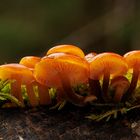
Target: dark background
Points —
{"points": [[31, 27]]}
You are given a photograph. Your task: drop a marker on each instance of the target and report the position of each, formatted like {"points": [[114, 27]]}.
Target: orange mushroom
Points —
{"points": [[62, 71], [43, 91], [22, 76], [94, 85], [119, 86], [69, 49], [133, 60], [29, 61], [106, 64]]}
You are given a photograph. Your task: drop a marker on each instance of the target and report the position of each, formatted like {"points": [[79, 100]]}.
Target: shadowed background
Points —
{"points": [[31, 27]]}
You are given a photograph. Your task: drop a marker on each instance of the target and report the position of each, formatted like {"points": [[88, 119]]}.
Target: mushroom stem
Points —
{"points": [[31, 94], [134, 80], [16, 91], [43, 92], [105, 85], [60, 95], [71, 96], [95, 88]]}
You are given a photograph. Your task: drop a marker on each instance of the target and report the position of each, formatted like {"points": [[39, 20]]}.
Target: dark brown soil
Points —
{"points": [[67, 124]]}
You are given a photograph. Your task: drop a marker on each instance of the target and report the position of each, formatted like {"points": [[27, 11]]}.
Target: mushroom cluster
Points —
{"points": [[68, 70]]}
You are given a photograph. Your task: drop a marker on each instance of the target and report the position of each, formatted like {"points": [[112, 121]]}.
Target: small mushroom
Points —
{"points": [[43, 91], [62, 72], [89, 57], [30, 61], [94, 85], [22, 76], [69, 49], [104, 65], [119, 86], [133, 60]]}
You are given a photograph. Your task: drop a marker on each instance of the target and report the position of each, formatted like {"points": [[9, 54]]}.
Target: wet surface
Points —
{"points": [[68, 124]]}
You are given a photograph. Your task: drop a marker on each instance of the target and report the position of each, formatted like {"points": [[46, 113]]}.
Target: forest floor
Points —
{"points": [[68, 124]]}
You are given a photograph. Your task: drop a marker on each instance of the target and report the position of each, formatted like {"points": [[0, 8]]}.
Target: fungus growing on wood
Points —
{"points": [[69, 49], [94, 85], [104, 65], [62, 72], [43, 91], [22, 76], [119, 86], [133, 60]]}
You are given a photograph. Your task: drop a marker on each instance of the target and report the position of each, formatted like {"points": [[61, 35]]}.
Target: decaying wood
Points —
{"points": [[67, 124]]}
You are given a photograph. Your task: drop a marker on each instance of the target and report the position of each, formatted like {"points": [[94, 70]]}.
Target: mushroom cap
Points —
{"points": [[111, 63], [16, 72], [29, 61], [89, 57], [69, 49], [133, 59], [49, 70], [54, 55]]}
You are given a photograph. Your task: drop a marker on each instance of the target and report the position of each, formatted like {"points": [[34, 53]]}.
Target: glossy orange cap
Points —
{"points": [[49, 70], [133, 59], [29, 61], [69, 49], [107, 62], [16, 72]]}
